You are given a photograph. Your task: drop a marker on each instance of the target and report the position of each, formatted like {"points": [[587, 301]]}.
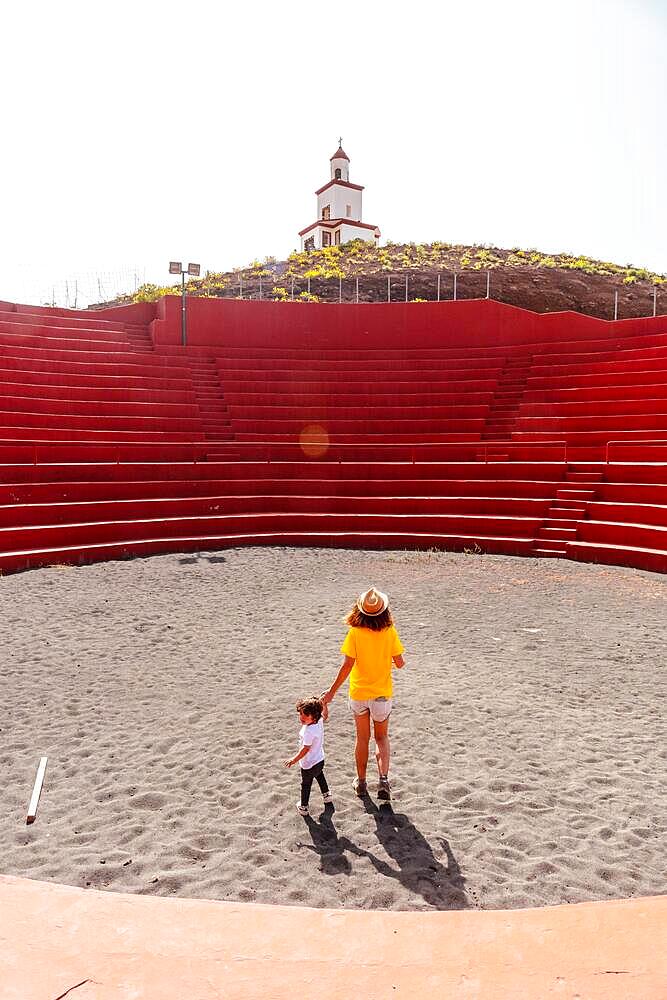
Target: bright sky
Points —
{"points": [[138, 132]]}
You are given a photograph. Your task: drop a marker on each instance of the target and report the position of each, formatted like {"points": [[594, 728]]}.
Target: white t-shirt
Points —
{"points": [[312, 736]]}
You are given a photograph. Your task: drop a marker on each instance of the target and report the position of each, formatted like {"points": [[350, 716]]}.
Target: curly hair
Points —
{"points": [[310, 706], [377, 623]]}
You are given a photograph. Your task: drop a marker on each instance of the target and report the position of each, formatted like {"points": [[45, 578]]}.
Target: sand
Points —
{"points": [[529, 738]]}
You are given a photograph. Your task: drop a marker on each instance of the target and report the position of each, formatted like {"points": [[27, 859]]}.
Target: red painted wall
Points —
{"points": [[474, 323], [216, 323], [140, 312]]}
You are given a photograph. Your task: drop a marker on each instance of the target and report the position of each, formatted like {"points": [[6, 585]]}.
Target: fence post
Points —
{"points": [[406, 288], [438, 286], [357, 292], [260, 288], [388, 288], [292, 292], [655, 300], [340, 289], [488, 283], [616, 304], [455, 288], [240, 285], [309, 284]]}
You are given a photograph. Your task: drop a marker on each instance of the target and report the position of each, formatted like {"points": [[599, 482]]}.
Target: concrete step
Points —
{"points": [[564, 513], [551, 544], [557, 533], [549, 553], [565, 494]]}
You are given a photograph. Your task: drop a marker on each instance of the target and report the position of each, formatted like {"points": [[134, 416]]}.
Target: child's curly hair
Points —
{"points": [[310, 706], [377, 623]]}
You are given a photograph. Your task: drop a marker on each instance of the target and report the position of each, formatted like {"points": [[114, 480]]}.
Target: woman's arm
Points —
{"points": [[341, 677]]}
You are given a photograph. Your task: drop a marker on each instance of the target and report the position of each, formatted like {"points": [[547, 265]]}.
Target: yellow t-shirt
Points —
{"points": [[372, 653]]}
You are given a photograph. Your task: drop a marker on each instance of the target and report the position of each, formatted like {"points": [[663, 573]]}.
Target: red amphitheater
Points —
{"points": [[450, 425], [467, 425]]}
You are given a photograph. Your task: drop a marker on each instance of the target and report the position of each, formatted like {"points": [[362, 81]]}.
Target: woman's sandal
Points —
{"points": [[360, 787], [384, 788]]}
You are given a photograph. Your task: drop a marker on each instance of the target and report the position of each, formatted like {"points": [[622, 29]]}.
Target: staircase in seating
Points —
{"points": [[504, 407], [567, 511], [210, 399]]}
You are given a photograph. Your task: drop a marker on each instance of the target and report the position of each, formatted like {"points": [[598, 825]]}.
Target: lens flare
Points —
{"points": [[314, 441]]}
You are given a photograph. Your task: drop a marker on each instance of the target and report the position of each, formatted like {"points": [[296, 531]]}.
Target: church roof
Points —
{"points": [[335, 223], [340, 154], [345, 184]]}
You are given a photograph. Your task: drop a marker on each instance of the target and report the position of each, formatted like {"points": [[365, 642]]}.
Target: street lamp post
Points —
{"points": [[194, 270]]}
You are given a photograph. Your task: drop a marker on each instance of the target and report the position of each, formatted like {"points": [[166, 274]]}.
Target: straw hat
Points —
{"points": [[372, 602]]}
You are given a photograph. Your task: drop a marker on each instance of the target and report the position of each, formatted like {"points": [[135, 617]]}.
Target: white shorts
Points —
{"points": [[380, 708]]}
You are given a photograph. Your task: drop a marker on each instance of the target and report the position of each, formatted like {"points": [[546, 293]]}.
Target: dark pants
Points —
{"points": [[310, 774]]}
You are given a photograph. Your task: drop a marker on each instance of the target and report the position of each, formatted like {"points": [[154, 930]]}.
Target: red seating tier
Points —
{"points": [[441, 427]]}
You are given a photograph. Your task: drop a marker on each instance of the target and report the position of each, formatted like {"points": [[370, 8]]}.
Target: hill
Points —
{"points": [[526, 278]]}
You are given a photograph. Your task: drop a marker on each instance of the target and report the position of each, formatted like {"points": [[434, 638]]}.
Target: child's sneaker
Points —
{"points": [[327, 799], [303, 810]]}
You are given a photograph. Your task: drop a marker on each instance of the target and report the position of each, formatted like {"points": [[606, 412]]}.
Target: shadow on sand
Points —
{"points": [[415, 865], [330, 847], [191, 560]]}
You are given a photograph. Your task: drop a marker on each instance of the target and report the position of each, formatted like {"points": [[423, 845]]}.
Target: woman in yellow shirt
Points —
{"points": [[370, 648]]}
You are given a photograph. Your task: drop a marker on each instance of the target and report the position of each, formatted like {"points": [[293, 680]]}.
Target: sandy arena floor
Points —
{"points": [[529, 736]]}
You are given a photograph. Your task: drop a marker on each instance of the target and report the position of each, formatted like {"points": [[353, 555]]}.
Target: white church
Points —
{"points": [[338, 210]]}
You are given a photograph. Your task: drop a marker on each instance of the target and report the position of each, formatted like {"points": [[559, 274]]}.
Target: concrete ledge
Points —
{"points": [[90, 945]]}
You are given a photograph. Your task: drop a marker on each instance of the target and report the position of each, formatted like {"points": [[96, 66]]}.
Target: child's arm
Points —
{"points": [[341, 677], [302, 753]]}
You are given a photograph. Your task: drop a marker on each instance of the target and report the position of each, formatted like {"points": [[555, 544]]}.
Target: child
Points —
{"points": [[312, 714]]}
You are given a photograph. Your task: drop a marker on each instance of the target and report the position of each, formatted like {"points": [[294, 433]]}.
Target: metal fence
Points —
{"points": [[412, 286], [82, 289]]}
